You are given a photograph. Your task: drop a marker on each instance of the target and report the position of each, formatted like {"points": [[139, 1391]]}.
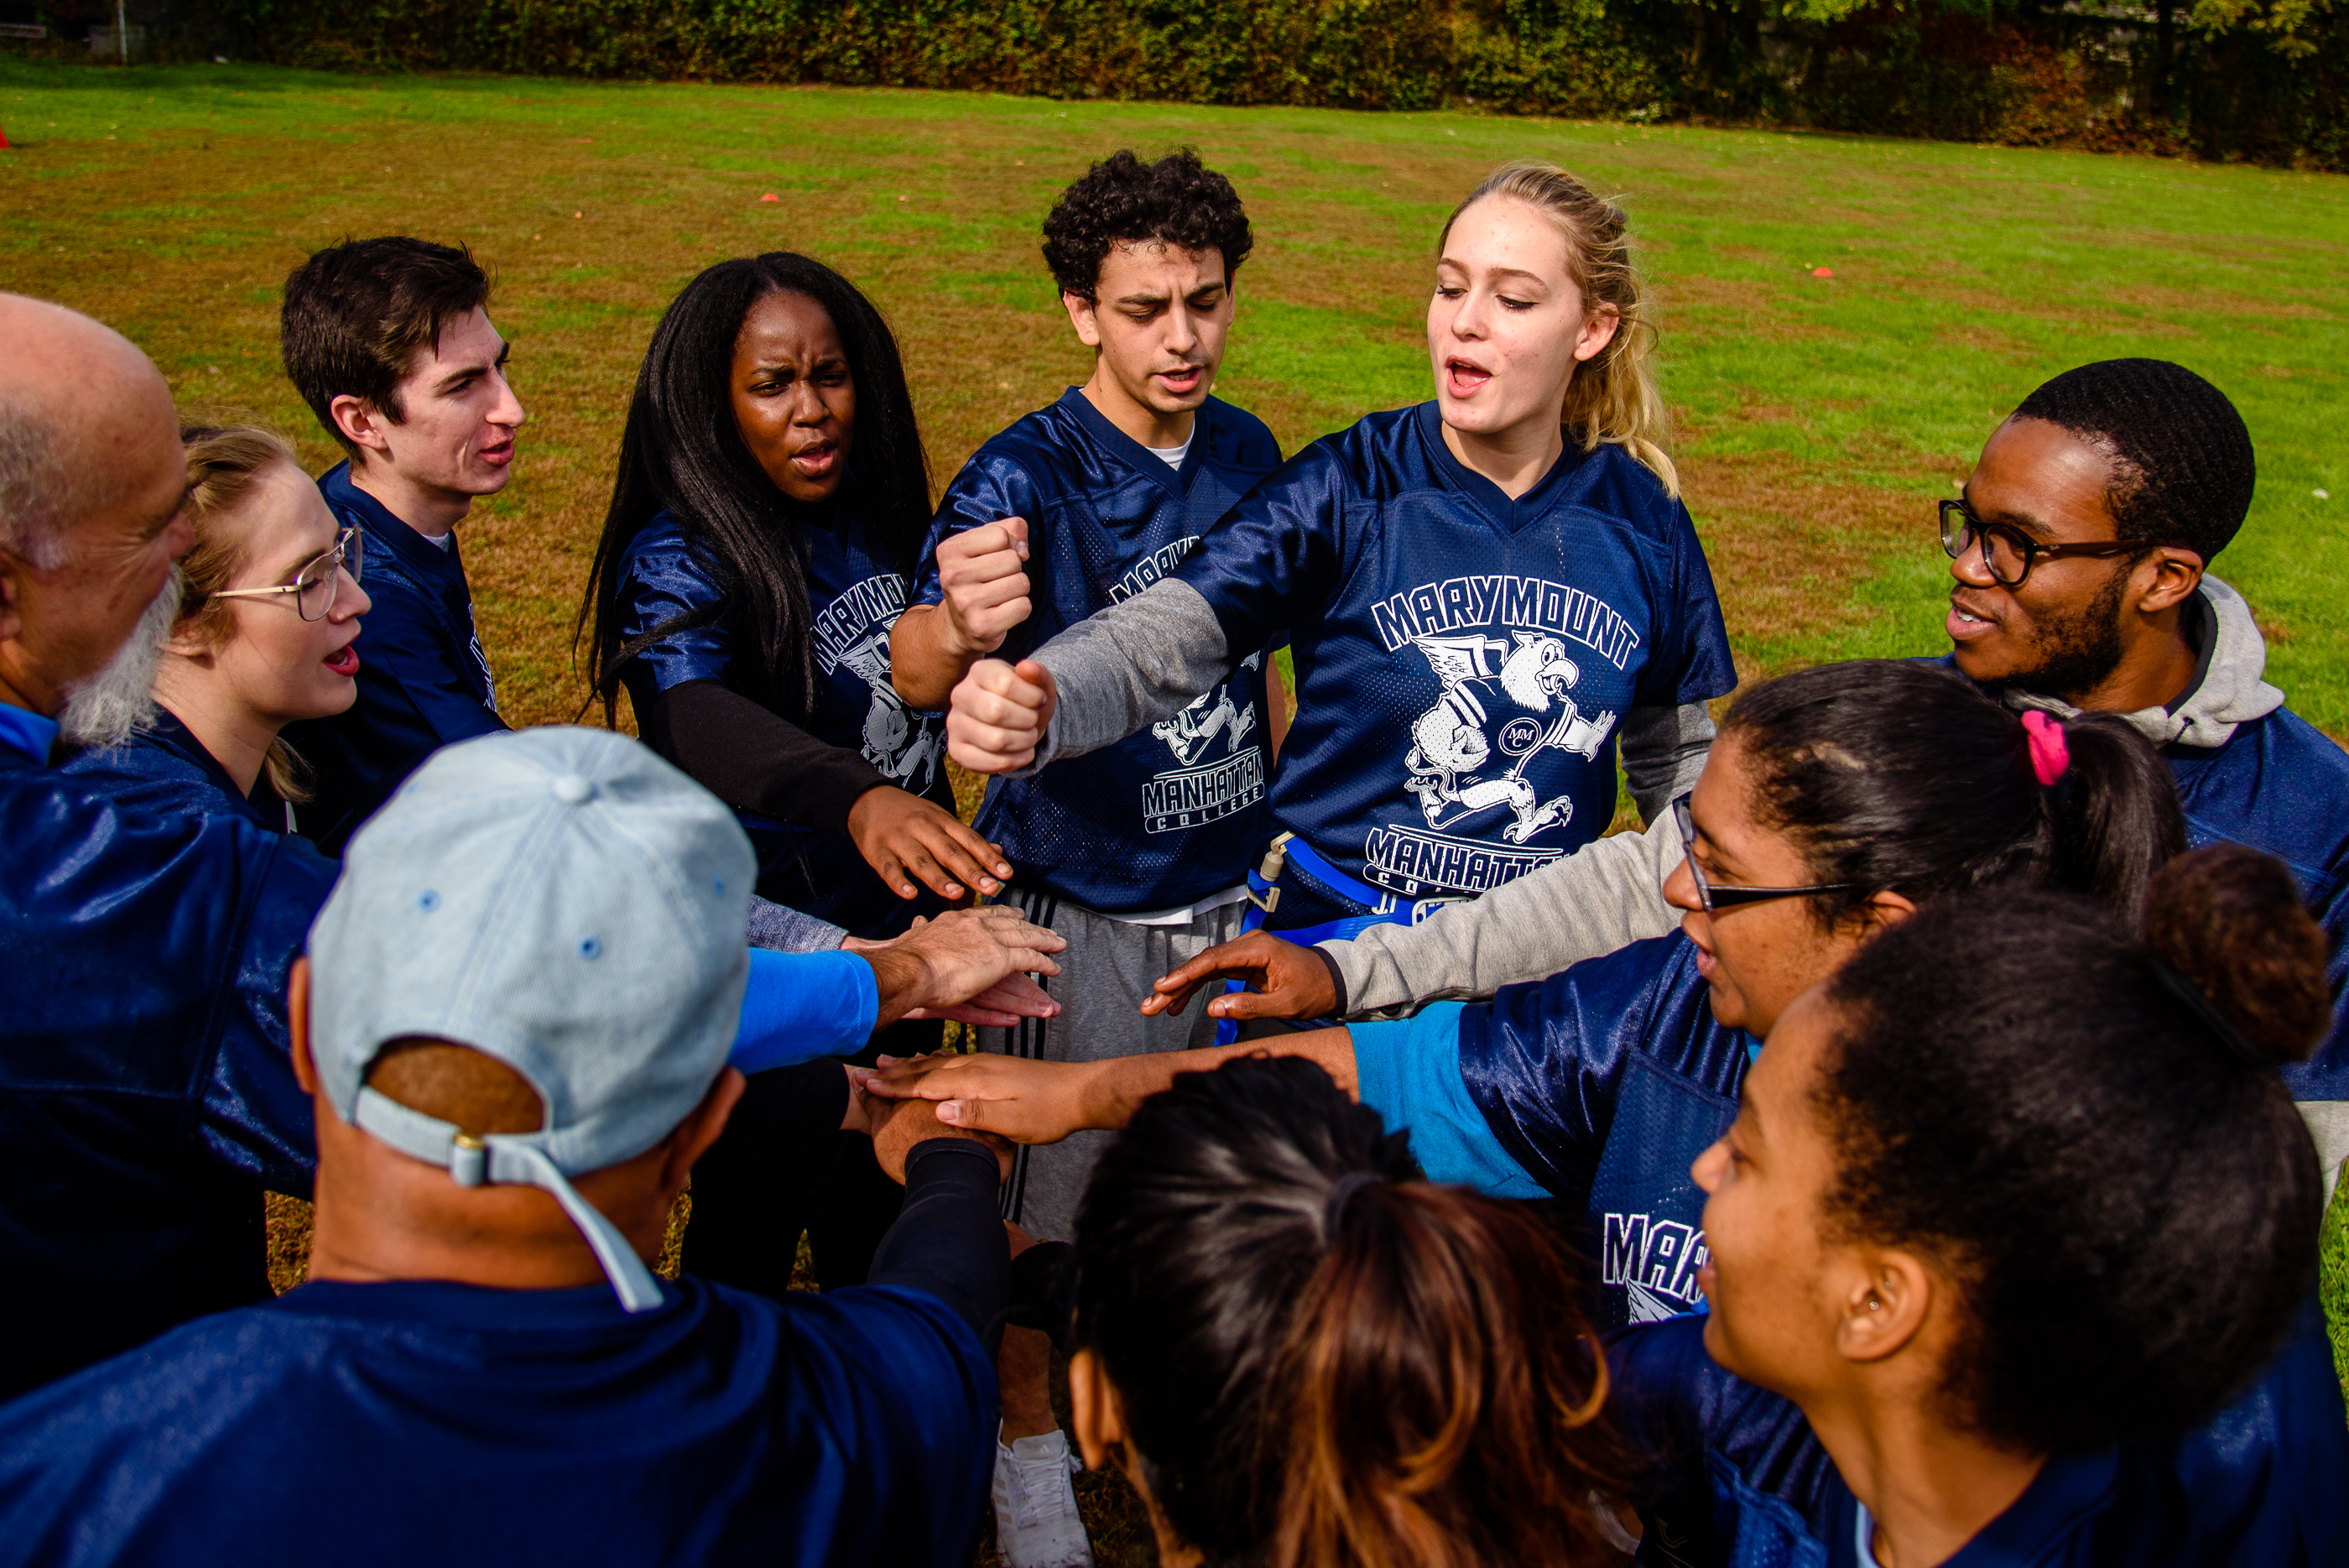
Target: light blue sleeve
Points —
{"points": [[1409, 1072], [799, 1006]]}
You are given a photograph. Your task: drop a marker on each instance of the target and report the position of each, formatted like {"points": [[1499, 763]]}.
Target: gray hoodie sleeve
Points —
{"points": [[1129, 666], [783, 930], [1605, 896], [1663, 751]]}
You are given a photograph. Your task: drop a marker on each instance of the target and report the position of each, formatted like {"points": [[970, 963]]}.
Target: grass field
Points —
{"points": [[1818, 416]]}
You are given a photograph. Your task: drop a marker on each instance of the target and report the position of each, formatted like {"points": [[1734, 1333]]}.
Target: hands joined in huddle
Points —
{"points": [[969, 965]]}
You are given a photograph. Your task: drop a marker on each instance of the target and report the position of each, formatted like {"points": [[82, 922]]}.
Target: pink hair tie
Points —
{"points": [[2050, 752]]}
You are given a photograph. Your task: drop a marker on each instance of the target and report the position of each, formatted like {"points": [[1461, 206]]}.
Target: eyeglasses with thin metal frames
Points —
{"points": [[1715, 898], [349, 553], [2003, 547]]}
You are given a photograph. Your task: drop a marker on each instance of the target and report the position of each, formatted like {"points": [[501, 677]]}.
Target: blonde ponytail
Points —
{"points": [[1613, 396], [224, 468]]}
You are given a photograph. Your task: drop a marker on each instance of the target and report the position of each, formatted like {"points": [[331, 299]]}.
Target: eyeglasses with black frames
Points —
{"points": [[1716, 899], [312, 587], [2007, 553]]}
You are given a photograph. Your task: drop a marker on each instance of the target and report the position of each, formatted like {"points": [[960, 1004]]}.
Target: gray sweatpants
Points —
{"points": [[1104, 974]]}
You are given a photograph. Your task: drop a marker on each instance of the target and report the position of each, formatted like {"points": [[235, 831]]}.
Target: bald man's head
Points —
{"points": [[93, 487], [87, 428]]}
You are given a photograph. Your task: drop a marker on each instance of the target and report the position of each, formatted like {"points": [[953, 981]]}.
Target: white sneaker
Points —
{"points": [[1036, 1522]]}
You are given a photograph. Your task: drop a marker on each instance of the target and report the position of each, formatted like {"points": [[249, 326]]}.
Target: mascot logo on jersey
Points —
{"points": [[1203, 785], [854, 632], [1530, 677], [1470, 751]]}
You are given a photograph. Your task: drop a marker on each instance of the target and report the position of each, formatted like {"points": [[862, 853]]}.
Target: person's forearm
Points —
{"points": [[1605, 896], [799, 1006], [1113, 1089], [949, 1238], [1129, 666], [754, 761], [901, 983], [925, 658]]}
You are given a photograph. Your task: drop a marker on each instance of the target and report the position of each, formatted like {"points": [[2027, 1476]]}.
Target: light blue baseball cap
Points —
{"points": [[567, 902]]}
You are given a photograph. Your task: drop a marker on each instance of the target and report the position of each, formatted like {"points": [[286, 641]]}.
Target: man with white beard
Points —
{"points": [[145, 1100], [147, 1095]]}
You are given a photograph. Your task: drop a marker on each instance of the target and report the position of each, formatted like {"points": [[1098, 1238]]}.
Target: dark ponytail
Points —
{"points": [[2094, 1146], [1903, 776], [1321, 1360]]}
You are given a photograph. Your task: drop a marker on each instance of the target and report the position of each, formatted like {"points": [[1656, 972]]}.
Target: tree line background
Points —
{"points": [[2255, 80]]}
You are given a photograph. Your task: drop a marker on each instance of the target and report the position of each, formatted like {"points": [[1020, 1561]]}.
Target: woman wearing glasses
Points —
{"points": [[269, 614], [1836, 802]]}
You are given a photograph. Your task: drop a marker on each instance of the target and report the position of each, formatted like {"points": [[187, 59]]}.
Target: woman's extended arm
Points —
{"points": [[1044, 1102]]}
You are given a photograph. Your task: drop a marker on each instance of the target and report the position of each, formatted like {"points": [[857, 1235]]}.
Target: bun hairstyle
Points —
{"points": [[1613, 396], [1322, 1360], [2095, 1148], [1903, 776]]}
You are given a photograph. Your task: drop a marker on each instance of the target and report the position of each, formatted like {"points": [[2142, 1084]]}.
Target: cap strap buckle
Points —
{"points": [[508, 1159]]}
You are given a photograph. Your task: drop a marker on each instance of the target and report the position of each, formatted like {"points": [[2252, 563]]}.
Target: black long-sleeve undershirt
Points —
{"points": [[753, 759], [948, 1238]]}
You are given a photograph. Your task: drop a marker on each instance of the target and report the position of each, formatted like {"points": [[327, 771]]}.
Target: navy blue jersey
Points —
{"points": [[148, 926], [1461, 659], [1738, 1480], [419, 1420], [853, 598], [164, 768], [1175, 814], [423, 679], [1603, 1083]]}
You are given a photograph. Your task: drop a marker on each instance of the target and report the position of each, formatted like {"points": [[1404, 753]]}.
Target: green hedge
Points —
{"points": [[2226, 79]]}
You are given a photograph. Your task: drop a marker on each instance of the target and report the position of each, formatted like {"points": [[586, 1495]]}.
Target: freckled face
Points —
{"points": [[280, 667]]}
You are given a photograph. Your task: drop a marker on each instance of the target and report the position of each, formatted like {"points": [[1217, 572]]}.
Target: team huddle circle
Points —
{"points": [[1414, 1057]]}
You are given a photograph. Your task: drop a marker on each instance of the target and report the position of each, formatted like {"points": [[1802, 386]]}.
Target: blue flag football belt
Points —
{"points": [[1287, 854]]}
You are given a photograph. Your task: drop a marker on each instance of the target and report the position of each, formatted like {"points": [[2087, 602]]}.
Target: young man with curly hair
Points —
{"points": [[1137, 854]]}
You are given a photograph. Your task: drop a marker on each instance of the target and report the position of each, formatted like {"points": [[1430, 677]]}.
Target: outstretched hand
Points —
{"points": [[1290, 981], [1025, 1101], [965, 957], [996, 717], [902, 836], [896, 1126]]}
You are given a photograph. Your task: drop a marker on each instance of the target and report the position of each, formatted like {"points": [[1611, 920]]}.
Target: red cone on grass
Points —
{"points": [[4, 139], [1823, 271], [771, 196]]}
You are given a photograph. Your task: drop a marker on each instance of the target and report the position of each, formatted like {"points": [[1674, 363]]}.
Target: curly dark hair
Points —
{"points": [[1124, 201]]}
